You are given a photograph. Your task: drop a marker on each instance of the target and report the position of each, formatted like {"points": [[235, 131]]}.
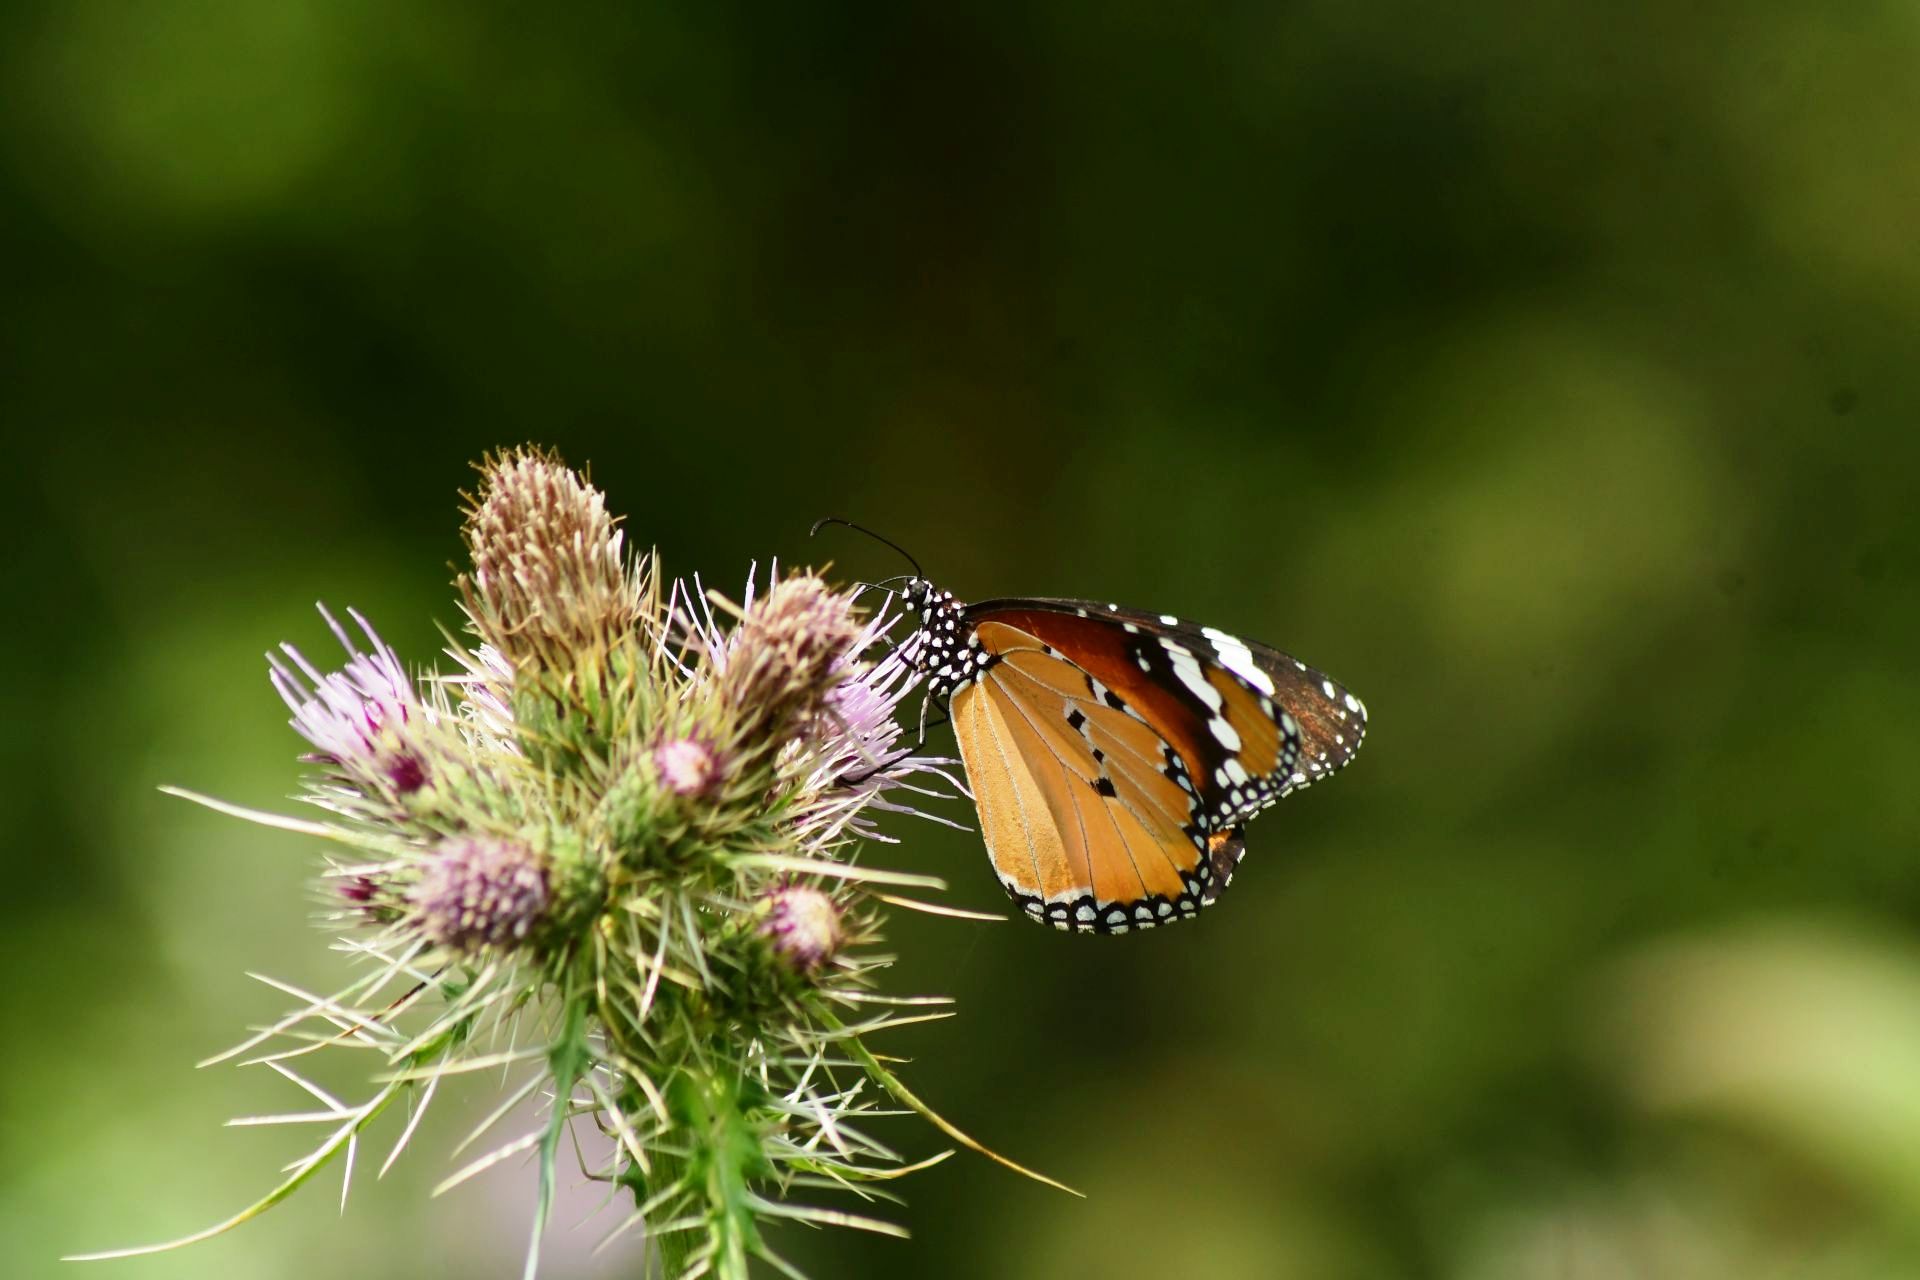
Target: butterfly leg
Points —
{"points": [[881, 766]]}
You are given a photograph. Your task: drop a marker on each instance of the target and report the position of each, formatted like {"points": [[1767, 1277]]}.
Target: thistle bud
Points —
{"points": [[479, 891], [549, 585], [688, 767], [802, 925], [360, 891], [788, 652]]}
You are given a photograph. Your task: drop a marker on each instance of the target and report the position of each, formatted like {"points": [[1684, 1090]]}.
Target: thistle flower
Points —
{"points": [[851, 758], [366, 718], [788, 656], [854, 751], [609, 856], [478, 892]]}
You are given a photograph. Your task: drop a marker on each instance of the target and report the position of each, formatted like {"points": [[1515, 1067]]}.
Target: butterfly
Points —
{"points": [[1115, 755]]}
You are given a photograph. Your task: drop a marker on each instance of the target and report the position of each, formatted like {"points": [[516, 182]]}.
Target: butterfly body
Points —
{"points": [[1114, 754]]}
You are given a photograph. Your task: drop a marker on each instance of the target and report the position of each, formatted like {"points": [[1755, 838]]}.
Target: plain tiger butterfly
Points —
{"points": [[1115, 756]]}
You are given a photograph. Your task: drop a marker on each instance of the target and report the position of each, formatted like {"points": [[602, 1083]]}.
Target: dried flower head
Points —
{"points": [[549, 582], [786, 658], [479, 891]]}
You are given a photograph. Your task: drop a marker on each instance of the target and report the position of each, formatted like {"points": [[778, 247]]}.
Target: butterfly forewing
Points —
{"points": [[1230, 707]]}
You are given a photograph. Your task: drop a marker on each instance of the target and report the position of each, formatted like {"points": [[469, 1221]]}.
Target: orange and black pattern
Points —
{"points": [[1115, 755]]}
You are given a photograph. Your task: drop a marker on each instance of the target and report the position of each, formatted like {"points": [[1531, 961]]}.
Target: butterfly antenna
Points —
{"points": [[824, 521]]}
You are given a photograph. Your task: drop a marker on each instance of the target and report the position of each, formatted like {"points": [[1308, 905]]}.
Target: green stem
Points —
{"points": [[567, 1058], [724, 1157], [674, 1247]]}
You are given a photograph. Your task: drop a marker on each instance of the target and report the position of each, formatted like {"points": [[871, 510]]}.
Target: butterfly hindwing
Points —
{"points": [[1082, 819]]}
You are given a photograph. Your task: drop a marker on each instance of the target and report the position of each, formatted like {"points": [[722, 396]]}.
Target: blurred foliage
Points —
{"points": [[1546, 371]]}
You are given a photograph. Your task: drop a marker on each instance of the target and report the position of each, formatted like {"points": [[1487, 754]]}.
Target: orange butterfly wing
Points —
{"points": [[1111, 783]]}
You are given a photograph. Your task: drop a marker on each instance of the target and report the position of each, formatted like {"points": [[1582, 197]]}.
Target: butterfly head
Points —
{"points": [[942, 646], [916, 595]]}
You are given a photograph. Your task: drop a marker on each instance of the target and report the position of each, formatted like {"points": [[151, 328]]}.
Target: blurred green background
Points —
{"points": [[1546, 371]]}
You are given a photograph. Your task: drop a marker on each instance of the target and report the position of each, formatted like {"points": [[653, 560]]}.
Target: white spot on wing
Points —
{"points": [[1187, 667], [1237, 658]]}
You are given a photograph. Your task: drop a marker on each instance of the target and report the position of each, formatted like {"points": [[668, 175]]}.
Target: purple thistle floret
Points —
{"points": [[485, 682], [479, 891], [362, 717], [856, 758], [369, 898]]}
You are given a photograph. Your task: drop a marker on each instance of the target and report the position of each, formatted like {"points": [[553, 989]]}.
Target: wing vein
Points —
{"points": [[1080, 817], [1174, 822], [1070, 780], [1026, 824], [1076, 786], [1089, 700]]}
